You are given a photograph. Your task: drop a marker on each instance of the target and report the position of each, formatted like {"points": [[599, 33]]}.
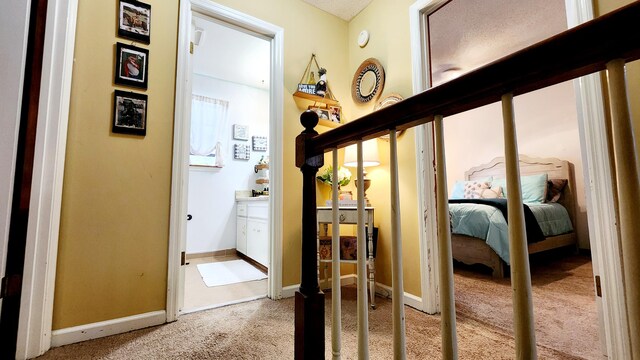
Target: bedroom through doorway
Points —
{"points": [[548, 138]]}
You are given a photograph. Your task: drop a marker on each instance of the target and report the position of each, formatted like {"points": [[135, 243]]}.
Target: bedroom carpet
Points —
{"points": [[566, 324]]}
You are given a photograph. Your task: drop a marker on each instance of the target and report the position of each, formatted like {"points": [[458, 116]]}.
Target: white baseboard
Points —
{"points": [[381, 289], [106, 328], [409, 299], [290, 291]]}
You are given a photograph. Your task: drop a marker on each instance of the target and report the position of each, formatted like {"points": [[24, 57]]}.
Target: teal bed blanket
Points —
{"points": [[486, 221]]}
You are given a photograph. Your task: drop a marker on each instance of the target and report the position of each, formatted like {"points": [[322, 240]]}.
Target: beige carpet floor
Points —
{"points": [[566, 324]]}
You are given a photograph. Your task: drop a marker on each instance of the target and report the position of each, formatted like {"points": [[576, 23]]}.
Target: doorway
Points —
{"points": [[211, 192], [593, 144], [229, 141]]}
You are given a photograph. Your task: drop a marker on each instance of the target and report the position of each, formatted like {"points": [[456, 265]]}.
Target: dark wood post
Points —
{"points": [[309, 317]]}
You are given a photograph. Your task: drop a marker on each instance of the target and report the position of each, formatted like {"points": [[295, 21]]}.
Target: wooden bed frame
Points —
{"points": [[470, 250]]}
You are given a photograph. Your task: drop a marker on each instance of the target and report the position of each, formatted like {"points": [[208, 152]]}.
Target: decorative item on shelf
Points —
{"points": [[262, 169], [368, 81], [388, 101], [369, 158], [307, 88]]}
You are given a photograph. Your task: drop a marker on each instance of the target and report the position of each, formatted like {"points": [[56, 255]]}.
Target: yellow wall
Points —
{"points": [[633, 69], [388, 26], [114, 232]]}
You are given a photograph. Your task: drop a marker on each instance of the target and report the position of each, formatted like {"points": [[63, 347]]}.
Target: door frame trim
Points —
{"points": [[180, 168], [594, 148], [38, 284]]}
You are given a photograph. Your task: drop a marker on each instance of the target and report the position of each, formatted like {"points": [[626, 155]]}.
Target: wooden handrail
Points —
{"points": [[576, 52]]}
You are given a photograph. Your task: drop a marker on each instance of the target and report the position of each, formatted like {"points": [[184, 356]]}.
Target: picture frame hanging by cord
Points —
{"points": [[129, 113], [132, 66], [134, 20]]}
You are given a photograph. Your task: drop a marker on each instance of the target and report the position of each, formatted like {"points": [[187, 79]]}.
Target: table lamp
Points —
{"points": [[369, 158]]}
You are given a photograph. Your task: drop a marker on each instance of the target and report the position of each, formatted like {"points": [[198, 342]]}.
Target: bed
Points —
{"points": [[487, 243]]}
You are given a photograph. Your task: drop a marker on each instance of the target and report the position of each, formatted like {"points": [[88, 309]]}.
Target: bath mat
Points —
{"points": [[229, 272]]}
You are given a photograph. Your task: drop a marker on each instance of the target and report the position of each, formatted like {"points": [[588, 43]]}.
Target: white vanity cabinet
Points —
{"points": [[252, 236]]}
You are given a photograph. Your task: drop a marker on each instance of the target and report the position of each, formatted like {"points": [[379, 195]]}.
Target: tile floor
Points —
{"points": [[197, 296]]}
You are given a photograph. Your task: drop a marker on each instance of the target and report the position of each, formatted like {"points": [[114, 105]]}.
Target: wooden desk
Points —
{"points": [[349, 215]]}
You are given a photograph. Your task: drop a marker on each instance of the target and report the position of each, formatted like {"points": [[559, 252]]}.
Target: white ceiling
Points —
{"points": [[231, 54], [466, 34], [344, 9]]}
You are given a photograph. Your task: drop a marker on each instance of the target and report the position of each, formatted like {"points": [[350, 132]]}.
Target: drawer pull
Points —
{"points": [[342, 217]]}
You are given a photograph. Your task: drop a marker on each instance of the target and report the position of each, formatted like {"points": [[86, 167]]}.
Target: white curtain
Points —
{"points": [[208, 124]]}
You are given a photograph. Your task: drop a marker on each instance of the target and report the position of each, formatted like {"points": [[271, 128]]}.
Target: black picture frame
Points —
{"points": [[129, 113], [132, 66], [134, 20]]}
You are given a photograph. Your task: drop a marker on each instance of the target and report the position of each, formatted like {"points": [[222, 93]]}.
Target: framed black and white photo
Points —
{"points": [[240, 132], [134, 20], [259, 143], [129, 113], [132, 65]]}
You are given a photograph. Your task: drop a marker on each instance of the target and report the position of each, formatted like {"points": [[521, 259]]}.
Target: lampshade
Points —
{"points": [[369, 154]]}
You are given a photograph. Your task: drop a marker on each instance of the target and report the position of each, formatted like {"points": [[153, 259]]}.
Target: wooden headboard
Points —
{"points": [[555, 169]]}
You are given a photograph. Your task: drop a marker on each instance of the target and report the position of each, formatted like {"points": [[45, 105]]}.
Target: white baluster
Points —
{"points": [[447, 301], [519, 253], [336, 298], [399, 343], [363, 311]]}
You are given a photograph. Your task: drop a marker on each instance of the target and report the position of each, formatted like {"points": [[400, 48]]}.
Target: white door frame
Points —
{"points": [[180, 172], [601, 210], [38, 282]]}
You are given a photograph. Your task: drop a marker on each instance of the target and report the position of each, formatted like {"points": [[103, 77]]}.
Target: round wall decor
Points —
{"points": [[387, 101], [368, 81]]}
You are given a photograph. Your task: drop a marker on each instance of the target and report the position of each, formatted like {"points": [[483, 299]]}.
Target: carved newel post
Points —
{"points": [[309, 317]]}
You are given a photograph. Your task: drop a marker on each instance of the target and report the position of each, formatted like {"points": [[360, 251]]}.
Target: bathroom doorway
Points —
{"points": [[231, 114]]}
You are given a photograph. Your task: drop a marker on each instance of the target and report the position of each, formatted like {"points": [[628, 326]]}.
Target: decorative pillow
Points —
{"points": [[555, 188], [495, 192], [482, 190], [458, 187], [534, 187]]}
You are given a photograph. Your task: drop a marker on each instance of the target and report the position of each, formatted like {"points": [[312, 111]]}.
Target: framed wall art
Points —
{"points": [[134, 20], [241, 152], [132, 66], [259, 143], [129, 113], [240, 132]]}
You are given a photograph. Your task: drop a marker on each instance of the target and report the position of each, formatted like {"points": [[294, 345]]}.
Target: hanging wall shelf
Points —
{"points": [[307, 86]]}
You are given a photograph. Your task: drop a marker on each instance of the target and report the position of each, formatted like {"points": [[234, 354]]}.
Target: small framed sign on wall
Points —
{"points": [[240, 132], [241, 152]]}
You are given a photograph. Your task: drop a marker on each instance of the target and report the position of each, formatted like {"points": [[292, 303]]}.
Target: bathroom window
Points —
{"points": [[208, 124]]}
